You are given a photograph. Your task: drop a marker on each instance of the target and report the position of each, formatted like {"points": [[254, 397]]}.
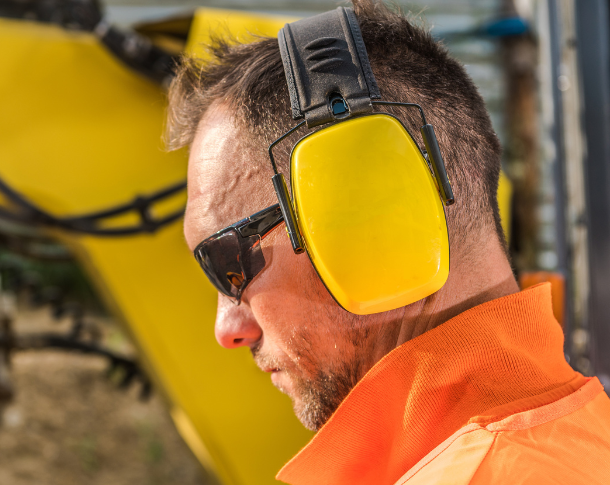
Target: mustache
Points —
{"points": [[264, 361]]}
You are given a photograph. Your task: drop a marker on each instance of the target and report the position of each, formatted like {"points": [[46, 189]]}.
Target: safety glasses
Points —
{"points": [[233, 257]]}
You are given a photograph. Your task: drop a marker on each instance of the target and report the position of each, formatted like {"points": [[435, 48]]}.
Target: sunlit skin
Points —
{"points": [[296, 331]]}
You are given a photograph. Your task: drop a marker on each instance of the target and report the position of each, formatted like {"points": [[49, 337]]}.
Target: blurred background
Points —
{"points": [[109, 371]]}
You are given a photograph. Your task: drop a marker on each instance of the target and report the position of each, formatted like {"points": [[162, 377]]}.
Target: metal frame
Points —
{"points": [[302, 123], [593, 29]]}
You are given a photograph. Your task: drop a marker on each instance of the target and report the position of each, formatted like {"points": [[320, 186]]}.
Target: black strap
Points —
{"points": [[325, 55]]}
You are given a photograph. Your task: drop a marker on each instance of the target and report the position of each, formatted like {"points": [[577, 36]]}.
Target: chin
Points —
{"points": [[307, 414], [303, 408]]}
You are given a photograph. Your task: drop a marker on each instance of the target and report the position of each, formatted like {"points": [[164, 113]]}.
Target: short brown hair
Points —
{"points": [[409, 66]]}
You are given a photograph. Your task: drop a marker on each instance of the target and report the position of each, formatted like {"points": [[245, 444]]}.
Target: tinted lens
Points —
{"points": [[231, 261], [219, 258], [252, 258]]}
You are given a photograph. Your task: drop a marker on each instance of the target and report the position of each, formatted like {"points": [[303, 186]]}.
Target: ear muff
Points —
{"points": [[367, 207], [369, 212]]}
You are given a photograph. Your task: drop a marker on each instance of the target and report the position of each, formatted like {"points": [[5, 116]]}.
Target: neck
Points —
{"points": [[473, 280]]}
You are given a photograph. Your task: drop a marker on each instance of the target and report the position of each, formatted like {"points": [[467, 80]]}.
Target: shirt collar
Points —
{"points": [[498, 358]]}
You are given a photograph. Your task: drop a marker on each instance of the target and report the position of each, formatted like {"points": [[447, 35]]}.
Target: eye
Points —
{"points": [[236, 279]]}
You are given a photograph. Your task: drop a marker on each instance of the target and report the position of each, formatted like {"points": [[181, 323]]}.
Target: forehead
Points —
{"points": [[228, 178]]}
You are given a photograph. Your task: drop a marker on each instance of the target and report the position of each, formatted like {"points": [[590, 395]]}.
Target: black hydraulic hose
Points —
{"points": [[31, 214]]}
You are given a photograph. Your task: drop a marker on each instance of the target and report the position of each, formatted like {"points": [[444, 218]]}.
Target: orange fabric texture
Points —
{"points": [[558, 288], [567, 441], [486, 397]]}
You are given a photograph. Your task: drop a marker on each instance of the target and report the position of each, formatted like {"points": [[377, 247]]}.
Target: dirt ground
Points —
{"points": [[69, 424]]}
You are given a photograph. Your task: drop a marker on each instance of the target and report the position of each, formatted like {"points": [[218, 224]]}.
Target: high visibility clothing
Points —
{"points": [[486, 397]]}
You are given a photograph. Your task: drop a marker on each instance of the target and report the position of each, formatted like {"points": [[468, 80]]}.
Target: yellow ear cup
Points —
{"points": [[370, 214]]}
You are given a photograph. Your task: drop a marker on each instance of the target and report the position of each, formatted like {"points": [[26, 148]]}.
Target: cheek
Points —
{"points": [[292, 307], [291, 289], [280, 295]]}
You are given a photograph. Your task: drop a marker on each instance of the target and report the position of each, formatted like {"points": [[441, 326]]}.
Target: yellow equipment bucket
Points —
{"points": [[81, 133]]}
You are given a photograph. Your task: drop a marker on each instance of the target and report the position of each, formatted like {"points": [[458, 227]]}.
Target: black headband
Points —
{"points": [[324, 56]]}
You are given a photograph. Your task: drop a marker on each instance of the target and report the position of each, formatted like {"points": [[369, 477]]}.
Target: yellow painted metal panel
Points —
{"points": [[242, 27], [79, 133], [505, 196]]}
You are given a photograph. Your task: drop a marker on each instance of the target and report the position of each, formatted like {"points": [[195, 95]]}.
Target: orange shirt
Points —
{"points": [[486, 397]]}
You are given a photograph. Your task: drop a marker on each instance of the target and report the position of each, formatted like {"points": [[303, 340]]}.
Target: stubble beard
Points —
{"points": [[316, 399], [320, 397]]}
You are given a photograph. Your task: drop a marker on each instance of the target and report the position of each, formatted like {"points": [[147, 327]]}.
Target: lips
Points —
{"points": [[278, 378], [265, 363]]}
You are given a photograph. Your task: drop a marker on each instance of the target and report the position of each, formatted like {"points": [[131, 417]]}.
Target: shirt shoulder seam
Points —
{"points": [[492, 444], [550, 412], [440, 449]]}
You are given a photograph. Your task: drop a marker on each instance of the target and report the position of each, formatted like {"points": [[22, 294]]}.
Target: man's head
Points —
{"points": [[231, 108]]}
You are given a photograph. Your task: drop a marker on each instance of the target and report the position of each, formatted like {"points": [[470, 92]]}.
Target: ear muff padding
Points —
{"points": [[370, 214]]}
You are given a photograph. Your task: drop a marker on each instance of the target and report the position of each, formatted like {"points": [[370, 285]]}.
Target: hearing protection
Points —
{"points": [[367, 203]]}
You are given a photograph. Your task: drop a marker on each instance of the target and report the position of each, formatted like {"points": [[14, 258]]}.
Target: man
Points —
{"points": [[467, 385]]}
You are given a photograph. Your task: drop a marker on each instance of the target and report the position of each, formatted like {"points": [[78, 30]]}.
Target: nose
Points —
{"points": [[235, 325]]}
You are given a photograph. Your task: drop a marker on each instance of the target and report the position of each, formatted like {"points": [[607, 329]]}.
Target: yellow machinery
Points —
{"points": [[79, 133]]}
